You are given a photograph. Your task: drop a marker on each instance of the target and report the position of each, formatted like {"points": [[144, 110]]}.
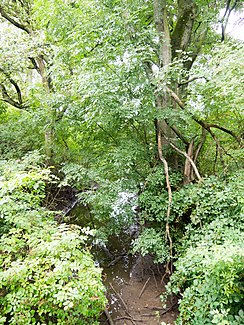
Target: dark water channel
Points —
{"points": [[134, 283]]}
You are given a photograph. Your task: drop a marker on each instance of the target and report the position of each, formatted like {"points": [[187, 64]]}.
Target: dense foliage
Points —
{"points": [[138, 106], [209, 271], [47, 273]]}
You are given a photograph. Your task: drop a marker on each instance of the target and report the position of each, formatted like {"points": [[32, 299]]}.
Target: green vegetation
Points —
{"points": [[47, 273], [138, 106], [209, 271]]}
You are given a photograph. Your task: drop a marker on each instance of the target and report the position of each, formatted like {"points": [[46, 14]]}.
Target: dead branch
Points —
{"points": [[119, 296], [168, 309], [109, 318], [123, 303], [166, 171], [187, 157], [116, 260], [128, 318], [144, 287], [154, 308]]}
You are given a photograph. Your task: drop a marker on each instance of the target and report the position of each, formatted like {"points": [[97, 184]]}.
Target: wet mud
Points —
{"points": [[134, 286]]}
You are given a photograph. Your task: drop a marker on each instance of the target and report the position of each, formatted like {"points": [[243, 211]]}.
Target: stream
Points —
{"points": [[134, 283]]}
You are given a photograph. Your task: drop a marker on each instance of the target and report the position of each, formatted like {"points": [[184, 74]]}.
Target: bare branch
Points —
{"points": [[190, 80], [166, 171], [187, 157], [225, 19]]}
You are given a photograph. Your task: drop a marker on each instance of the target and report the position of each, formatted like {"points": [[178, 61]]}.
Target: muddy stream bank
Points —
{"points": [[134, 286], [133, 283]]}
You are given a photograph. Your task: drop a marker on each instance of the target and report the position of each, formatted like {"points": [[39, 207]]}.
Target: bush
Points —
{"points": [[211, 279], [209, 271], [152, 242], [47, 274]]}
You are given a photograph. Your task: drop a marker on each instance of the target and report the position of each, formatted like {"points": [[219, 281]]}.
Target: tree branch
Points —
{"points": [[14, 83], [166, 171], [225, 19], [225, 130], [190, 80], [35, 66], [178, 133], [200, 145], [200, 122], [14, 22], [187, 157], [6, 98]]}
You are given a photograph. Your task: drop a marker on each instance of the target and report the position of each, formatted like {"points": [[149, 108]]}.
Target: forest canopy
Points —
{"points": [[107, 97]]}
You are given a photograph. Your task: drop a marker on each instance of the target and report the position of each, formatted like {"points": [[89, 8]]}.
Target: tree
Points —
{"points": [[136, 96]]}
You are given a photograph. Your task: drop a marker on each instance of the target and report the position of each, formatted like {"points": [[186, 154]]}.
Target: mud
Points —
{"points": [[134, 283], [134, 290]]}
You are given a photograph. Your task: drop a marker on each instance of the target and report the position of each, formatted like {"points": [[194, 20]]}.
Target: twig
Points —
{"points": [[116, 260], [123, 303], [129, 318], [109, 318], [154, 308], [144, 287], [168, 309], [121, 299]]}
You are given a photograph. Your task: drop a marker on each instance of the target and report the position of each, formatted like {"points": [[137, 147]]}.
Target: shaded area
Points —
{"points": [[134, 286], [134, 283]]}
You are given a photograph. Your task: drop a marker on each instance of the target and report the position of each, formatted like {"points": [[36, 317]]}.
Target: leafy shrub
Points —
{"points": [[151, 242], [47, 277], [209, 200], [154, 199], [47, 274], [209, 272], [211, 277]]}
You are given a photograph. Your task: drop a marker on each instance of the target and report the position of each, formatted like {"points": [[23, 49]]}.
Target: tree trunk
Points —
{"points": [[170, 46]]}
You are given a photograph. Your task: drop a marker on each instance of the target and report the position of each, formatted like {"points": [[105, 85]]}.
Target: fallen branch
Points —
{"points": [[154, 308], [129, 318], [123, 303], [144, 287], [119, 296], [116, 260], [168, 309], [109, 318]]}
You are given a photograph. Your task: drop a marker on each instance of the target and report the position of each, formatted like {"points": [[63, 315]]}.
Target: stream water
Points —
{"points": [[134, 283]]}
